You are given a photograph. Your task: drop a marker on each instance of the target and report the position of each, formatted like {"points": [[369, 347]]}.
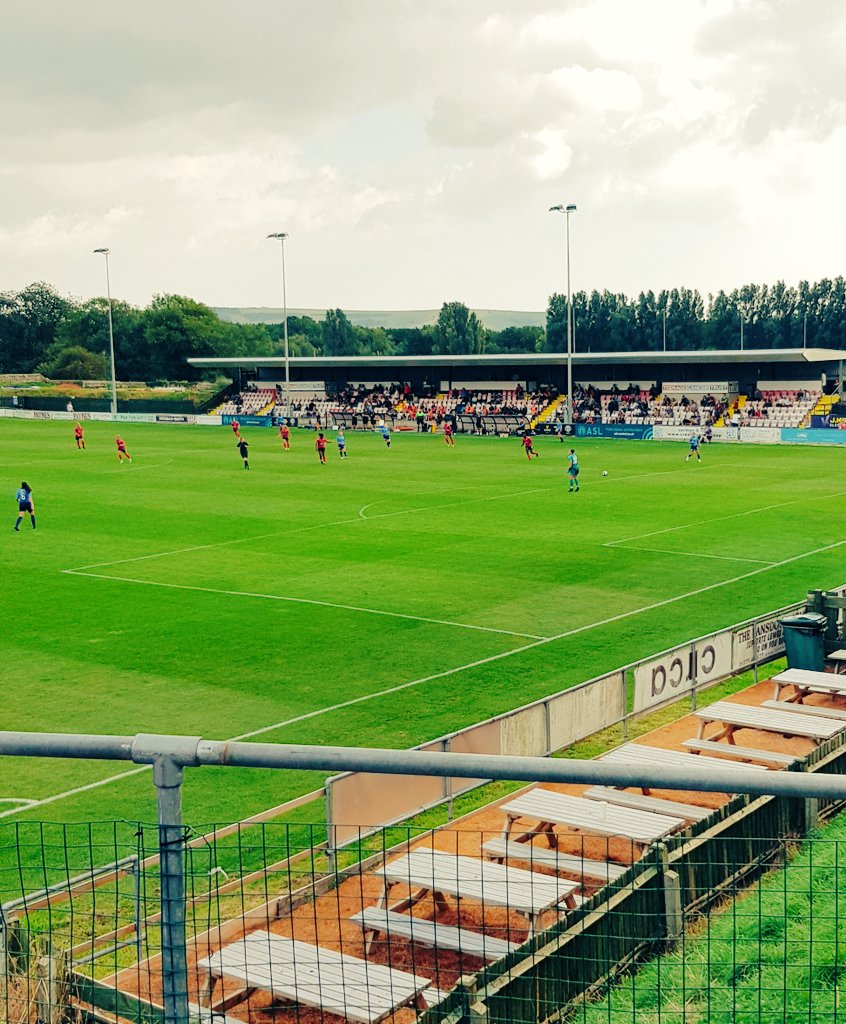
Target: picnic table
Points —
{"points": [[446, 874], [733, 716], [638, 754], [806, 681], [298, 972], [593, 817]]}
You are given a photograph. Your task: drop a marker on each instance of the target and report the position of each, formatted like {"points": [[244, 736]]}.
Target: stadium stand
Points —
{"points": [[783, 408], [253, 402], [512, 411], [777, 408]]}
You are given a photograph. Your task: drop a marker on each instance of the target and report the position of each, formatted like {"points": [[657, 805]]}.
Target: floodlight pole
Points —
{"points": [[567, 210], [105, 253], [741, 332], [665, 328], [282, 235]]}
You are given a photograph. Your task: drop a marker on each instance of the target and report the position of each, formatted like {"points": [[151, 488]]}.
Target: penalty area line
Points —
{"points": [[303, 600], [264, 730], [691, 554], [721, 519]]}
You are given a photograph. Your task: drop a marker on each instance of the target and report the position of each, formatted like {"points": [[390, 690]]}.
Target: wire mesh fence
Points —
{"points": [[447, 924]]}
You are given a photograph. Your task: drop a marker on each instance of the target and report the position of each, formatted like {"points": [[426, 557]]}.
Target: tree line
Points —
{"points": [[65, 338]]}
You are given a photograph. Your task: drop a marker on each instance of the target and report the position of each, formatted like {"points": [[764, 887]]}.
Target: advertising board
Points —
{"points": [[132, 417], [678, 671], [630, 431], [761, 641], [795, 435], [247, 421], [760, 435], [174, 418], [699, 387]]}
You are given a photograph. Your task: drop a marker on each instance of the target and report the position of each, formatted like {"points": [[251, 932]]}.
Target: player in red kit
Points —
{"points": [[527, 444], [320, 445], [285, 434], [448, 436], [236, 429], [121, 450], [79, 436]]}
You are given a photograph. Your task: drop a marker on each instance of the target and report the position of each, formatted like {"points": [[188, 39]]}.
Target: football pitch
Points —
{"points": [[383, 600]]}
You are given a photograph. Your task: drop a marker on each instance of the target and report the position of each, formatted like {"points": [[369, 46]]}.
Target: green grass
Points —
{"points": [[777, 952], [190, 641]]}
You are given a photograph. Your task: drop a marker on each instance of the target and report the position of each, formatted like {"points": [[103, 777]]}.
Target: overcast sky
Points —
{"points": [[411, 148]]}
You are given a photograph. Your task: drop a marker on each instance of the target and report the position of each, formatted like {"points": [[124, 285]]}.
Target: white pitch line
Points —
{"points": [[305, 529], [18, 800], [303, 600], [205, 547], [460, 668], [76, 790], [360, 518], [692, 554], [721, 519]]}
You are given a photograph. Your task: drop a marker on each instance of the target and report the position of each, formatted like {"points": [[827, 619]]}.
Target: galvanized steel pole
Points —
{"points": [[167, 777], [192, 751]]}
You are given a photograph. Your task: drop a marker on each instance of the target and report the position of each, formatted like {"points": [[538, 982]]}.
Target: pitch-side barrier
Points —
{"points": [[554, 723]]}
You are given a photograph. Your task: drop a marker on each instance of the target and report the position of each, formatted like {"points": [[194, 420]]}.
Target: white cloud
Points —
{"points": [[555, 155], [400, 143]]}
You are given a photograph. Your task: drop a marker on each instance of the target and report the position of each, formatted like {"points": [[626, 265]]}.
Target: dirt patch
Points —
{"points": [[325, 921]]}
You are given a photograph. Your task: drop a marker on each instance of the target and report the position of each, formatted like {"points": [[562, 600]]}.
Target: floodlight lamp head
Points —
{"points": [[571, 208], [105, 252], [556, 209], [281, 235]]}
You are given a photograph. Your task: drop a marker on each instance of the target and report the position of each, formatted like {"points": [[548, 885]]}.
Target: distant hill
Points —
{"points": [[494, 319]]}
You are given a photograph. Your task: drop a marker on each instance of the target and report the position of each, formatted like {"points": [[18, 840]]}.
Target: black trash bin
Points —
{"points": [[804, 639]]}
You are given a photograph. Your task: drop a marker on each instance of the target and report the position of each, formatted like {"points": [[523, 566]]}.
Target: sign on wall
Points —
{"points": [[679, 671], [765, 636], [699, 387], [630, 431]]}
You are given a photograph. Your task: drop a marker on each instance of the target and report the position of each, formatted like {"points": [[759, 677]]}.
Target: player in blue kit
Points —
{"points": [[341, 442], [385, 431], [26, 506], [573, 471], [694, 449]]}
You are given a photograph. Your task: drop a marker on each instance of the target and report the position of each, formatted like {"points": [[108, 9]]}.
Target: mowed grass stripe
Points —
{"points": [[117, 659]]}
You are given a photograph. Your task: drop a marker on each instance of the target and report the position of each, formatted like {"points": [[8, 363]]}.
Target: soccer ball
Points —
{"points": [[605, 472]]}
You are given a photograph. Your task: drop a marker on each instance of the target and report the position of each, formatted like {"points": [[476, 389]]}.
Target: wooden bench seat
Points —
{"points": [[640, 755], [510, 849], [735, 753], [690, 812], [206, 1015], [807, 709], [805, 681], [785, 721], [429, 933], [550, 808], [839, 659], [299, 972], [431, 997], [435, 873]]}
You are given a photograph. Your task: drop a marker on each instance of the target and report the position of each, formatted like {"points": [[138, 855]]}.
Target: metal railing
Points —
{"points": [[171, 755], [356, 802]]}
